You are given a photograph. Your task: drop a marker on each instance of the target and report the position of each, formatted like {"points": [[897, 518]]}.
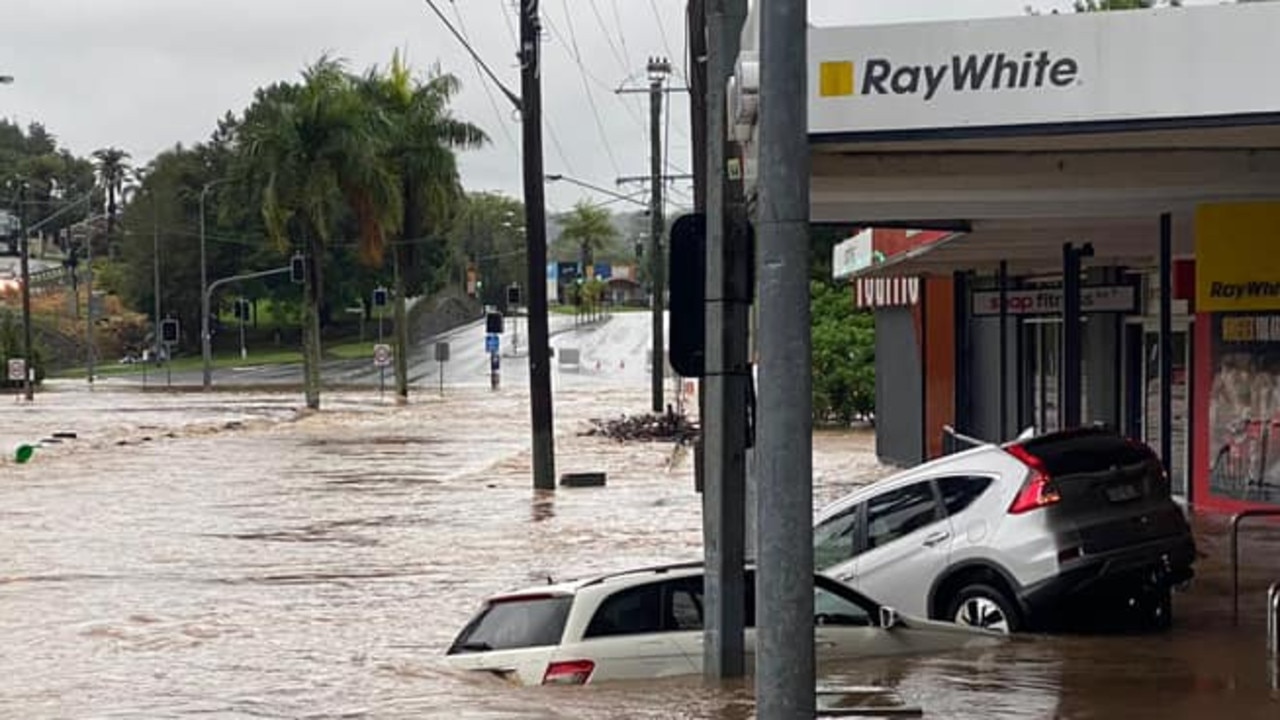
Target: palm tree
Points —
{"points": [[315, 151], [421, 153], [113, 167], [590, 229]]}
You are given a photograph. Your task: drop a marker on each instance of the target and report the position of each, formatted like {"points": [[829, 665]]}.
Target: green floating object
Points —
{"points": [[24, 453]]}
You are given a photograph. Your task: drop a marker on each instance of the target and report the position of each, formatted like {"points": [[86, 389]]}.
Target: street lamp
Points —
{"points": [[206, 348], [6, 79]]}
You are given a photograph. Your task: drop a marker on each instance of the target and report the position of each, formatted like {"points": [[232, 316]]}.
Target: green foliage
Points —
{"points": [[51, 175], [844, 383], [488, 232], [586, 231]]}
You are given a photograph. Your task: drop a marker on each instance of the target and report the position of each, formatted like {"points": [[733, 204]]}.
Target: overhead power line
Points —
{"points": [[515, 99]]}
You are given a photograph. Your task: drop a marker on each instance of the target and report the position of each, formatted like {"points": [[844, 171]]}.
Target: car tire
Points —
{"points": [[983, 606]]}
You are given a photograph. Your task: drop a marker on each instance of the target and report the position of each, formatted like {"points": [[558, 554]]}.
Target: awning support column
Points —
{"points": [[1166, 341]]}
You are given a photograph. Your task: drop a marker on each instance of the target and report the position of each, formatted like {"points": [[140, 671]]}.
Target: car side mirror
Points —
{"points": [[889, 618]]}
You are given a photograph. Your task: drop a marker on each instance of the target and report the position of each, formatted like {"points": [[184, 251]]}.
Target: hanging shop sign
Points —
{"points": [[1237, 266], [887, 292], [1048, 301]]}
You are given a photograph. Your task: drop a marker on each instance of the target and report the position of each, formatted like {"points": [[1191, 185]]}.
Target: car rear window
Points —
{"points": [[1086, 452], [511, 624]]}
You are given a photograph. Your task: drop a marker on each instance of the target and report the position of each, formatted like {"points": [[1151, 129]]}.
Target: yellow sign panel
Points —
{"points": [[1238, 257], [835, 78]]}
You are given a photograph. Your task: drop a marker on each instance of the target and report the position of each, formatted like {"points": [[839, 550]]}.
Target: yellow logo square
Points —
{"points": [[835, 78]]}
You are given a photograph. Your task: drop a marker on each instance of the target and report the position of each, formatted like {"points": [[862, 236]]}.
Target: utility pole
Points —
{"points": [[726, 384], [29, 362], [658, 69], [784, 577], [535, 222], [88, 302], [155, 243]]}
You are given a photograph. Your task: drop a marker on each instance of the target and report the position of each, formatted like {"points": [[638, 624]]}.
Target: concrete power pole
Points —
{"points": [[784, 578], [535, 222], [726, 385], [658, 69]]}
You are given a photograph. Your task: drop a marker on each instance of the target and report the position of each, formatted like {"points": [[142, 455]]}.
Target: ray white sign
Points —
{"points": [[1174, 64], [885, 292]]}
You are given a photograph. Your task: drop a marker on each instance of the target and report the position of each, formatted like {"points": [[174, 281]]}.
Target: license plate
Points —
{"points": [[1123, 493]]}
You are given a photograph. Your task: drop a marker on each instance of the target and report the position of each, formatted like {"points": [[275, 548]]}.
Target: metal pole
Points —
{"points": [[784, 579], [1004, 350], [155, 247], [658, 68], [244, 316], [1166, 342], [29, 356], [536, 248], [724, 422], [382, 369], [1069, 385], [1273, 622], [205, 349], [88, 304]]}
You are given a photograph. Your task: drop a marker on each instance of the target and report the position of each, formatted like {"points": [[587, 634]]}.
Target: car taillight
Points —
{"points": [[572, 672], [1038, 491]]}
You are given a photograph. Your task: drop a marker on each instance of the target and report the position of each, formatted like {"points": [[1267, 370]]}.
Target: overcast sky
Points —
{"points": [[146, 74]]}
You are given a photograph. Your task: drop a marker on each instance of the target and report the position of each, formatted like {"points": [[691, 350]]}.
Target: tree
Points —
{"points": [[844, 382], [423, 137], [589, 229], [488, 231], [113, 167], [315, 152]]}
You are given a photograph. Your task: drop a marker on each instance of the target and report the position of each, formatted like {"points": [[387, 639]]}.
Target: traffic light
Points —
{"points": [[380, 297], [241, 309], [169, 331], [298, 269], [513, 296], [493, 323]]}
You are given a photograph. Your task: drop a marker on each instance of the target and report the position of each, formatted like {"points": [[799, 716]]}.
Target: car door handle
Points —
{"points": [[936, 539]]}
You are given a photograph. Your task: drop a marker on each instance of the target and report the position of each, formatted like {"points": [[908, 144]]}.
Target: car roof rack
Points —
{"points": [[598, 579]]}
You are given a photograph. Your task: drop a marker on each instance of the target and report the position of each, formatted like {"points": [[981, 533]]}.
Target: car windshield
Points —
{"points": [[534, 621]]}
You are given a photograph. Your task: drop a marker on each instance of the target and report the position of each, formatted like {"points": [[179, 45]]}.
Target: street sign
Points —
{"points": [[169, 331], [381, 355], [442, 352], [17, 369], [491, 343]]}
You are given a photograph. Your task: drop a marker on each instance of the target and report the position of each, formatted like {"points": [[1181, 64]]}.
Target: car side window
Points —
{"points": [[630, 611], [683, 604], [832, 609], [959, 492], [900, 512], [836, 539]]}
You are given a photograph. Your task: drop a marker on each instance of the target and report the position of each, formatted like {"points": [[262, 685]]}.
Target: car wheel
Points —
{"points": [[984, 607]]}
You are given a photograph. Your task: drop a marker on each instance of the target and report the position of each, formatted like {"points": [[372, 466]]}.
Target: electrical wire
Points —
{"points": [[582, 73], [574, 56], [511, 30], [666, 44], [484, 85]]}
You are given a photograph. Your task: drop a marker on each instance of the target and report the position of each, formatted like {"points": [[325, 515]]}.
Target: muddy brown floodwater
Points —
{"points": [[222, 556]]}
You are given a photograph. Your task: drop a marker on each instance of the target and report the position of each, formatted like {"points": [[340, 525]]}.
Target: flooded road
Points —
{"points": [[223, 556]]}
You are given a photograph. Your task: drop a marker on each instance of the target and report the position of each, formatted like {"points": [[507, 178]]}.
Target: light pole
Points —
{"points": [[6, 79], [206, 348]]}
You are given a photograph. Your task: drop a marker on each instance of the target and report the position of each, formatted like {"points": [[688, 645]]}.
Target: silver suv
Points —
{"points": [[1037, 534]]}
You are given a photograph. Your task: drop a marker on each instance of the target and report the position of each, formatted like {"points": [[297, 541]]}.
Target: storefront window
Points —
{"points": [[1244, 407]]}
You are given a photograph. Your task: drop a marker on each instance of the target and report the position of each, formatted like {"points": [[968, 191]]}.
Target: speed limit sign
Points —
{"points": [[17, 369], [381, 355]]}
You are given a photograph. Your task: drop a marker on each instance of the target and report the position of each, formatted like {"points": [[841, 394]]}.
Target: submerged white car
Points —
{"points": [[647, 623]]}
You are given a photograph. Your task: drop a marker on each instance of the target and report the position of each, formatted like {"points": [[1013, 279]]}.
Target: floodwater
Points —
{"points": [[223, 555]]}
